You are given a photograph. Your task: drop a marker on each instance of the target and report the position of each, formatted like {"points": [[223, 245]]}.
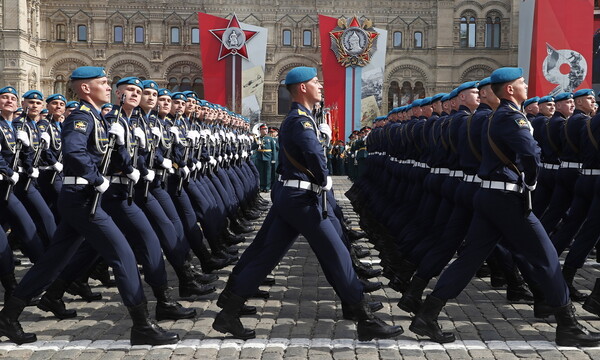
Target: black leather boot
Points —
{"points": [[9, 322], [188, 286], [569, 332], [230, 238], [516, 290], [354, 235], [425, 321], [100, 272], [360, 251], [52, 300], [228, 320], [347, 313], [592, 303], [569, 275], [369, 326], [366, 273], [9, 283], [411, 299], [147, 332], [199, 276], [541, 309], [80, 287], [370, 286], [251, 214], [213, 264], [238, 228], [224, 298], [402, 275], [169, 309]]}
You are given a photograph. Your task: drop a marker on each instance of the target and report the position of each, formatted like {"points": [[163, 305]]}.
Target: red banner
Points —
{"points": [[561, 49], [334, 78], [213, 71]]}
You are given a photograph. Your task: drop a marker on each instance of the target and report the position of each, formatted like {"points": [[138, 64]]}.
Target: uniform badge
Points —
{"points": [[522, 123], [307, 124], [80, 126]]}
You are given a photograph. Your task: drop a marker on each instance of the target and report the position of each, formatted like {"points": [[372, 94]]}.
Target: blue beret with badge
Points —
{"points": [[130, 80], [178, 96], [467, 85], [530, 101], [150, 84], [9, 90], [484, 82], [107, 105], [563, 96], [300, 74], [72, 104], [44, 112], [88, 72], [53, 97], [583, 92], [34, 95], [164, 92], [437, 97], [506, 74], [545, 99]]}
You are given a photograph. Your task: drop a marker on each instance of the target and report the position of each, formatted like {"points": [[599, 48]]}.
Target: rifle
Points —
{"points": [[131, 184], [59, 159], [168, 155], [15, 163], [152, 146], [106, 161], [319, 120]]}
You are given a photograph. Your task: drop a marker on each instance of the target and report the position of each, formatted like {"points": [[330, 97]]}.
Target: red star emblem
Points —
{"points": [[233, 39]]}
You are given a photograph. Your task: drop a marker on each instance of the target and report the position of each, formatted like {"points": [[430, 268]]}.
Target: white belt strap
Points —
{"points": [[299, 184], [590, 172], [500, 185], [550, 166], [74, 180], [570, 165], [472, 179], [440, 171], [456, 173]]}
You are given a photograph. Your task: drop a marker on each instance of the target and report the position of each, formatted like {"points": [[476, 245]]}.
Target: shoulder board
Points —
{"points": [[307, 124], [84, 108], [302, 112]]}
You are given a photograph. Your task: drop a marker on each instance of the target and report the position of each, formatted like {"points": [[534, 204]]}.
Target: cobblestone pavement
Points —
{"points": [[292, 324]]}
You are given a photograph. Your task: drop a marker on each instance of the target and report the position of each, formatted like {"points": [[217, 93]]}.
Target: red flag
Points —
{"points": [[213, 70]]}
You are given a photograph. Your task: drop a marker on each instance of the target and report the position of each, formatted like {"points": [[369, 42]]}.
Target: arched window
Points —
{"points": [[418, 39], [307, 38], [397, 39], [284, 101], [492, 32], [467, 32], [287, 38], [118, 35], [406, 93], [173, 84], [394, 95], [175, 35], [195, 36], [59, 85], [419, 90], [199, 87], [61, 32], [186, 84], [139, 34], [82, 33]]}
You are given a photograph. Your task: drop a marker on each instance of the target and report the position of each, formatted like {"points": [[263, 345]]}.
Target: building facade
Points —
{"points": [[433, 45]]}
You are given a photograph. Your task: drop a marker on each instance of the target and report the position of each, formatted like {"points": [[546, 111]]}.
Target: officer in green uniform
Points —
{"points": [[264, 154], [361, 151], [338, 158], [274, 134]]}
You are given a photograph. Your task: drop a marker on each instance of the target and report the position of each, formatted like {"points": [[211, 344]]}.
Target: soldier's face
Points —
{"points": [[8, 102], [263, 131], [149, 97], [190, 105], [98, 90], [470, 98], [437, 107], [518, 90], [532, 109], [585, 103], [34, 105], [427, 110], [547, 108], [105, 110], [566, 107], [133, 95], [178, 106], [164, 102], [313, 90], [56, 108]]}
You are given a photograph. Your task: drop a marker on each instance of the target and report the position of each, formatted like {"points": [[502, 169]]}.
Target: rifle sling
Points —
{"points": [[499, 152], [299, 166]]}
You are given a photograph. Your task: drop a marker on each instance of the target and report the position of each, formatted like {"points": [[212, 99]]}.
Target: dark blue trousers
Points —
{"points": [[561, 198], [543, 192], [100, 232], [22, 225], [37, 209], [501, 214], [50, 191]]}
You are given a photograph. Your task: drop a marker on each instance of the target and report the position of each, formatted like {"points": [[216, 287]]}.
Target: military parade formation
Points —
{"points": [[482, 174]]}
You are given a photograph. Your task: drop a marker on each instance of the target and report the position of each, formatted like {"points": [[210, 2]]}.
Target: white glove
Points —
{"points": [[118, 131], [22, 136], [14, 178], [325, 131], [167, 163], [139, 134], [198, 165], [156, 132], [329, 184], [150, 176], [236, 156], [184, 171], [58, 166], [35, 173], [193, 135], [212, 161], [175, 131], [193, 167], [134, 175], [220, 158], [244, 154], [171, 170], [45, 140], [104, 186]]}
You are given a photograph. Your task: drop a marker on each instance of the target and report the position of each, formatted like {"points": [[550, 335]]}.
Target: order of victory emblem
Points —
{"points": [[353, 43]]}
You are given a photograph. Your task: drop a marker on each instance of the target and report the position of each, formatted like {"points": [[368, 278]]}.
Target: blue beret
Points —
{"points": [[484, 82], [467, 85], [416, 102], [530, 101], [164, 92], [131, 80], [44, 111], [453, 94], [300, 74], [56, 97], [150, 84], [409, 106], [426, 101], [506, 74], [445, 98], [33, 94], [72, 104], [19, 110], [178, 96], [88, 72], [583, 92], [107, 105], [437, 97], [563, 96], [9, 90], [546, 98]]}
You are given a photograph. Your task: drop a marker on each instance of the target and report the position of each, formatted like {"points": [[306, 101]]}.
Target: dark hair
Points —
{"points": [[497, 88]]}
